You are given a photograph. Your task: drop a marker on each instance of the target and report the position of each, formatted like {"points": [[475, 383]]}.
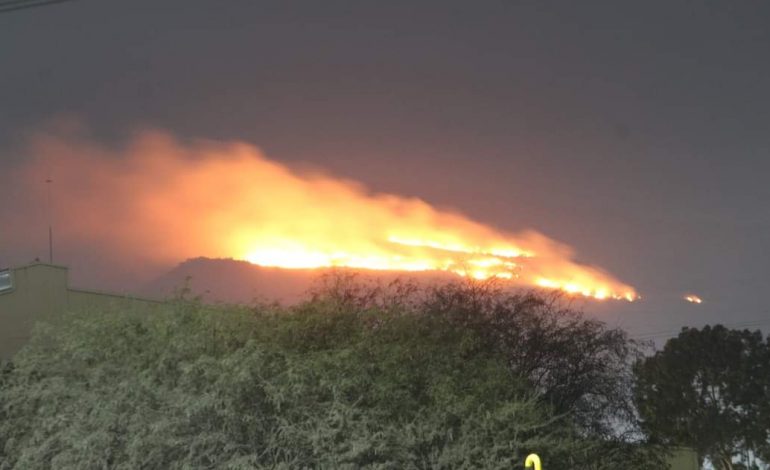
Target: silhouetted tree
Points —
{"points": [[708, 389], [578, 365]]}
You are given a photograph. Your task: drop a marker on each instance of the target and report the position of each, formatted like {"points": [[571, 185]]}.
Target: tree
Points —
{"points": [[577, 365], [708, 389]]}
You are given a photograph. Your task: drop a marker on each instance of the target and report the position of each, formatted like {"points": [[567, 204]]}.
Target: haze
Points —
{"points": [[636, 133]]}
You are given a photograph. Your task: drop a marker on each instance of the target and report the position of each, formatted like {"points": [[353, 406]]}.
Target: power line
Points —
{"points": [[671, 333], [14, 5]]}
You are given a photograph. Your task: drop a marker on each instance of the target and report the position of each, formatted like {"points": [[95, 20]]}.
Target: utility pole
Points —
{"points": [[50, 221]]}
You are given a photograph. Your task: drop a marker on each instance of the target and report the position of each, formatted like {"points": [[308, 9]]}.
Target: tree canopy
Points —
{"points": [[709, 389]]}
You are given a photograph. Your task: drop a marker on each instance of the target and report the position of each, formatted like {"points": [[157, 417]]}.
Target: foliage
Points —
{"points": [[709, 389], [576, 365], [394, 377]]}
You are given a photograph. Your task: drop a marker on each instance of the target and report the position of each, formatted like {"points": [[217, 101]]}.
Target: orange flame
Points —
{"points": [[167, 201], [693, 299]]}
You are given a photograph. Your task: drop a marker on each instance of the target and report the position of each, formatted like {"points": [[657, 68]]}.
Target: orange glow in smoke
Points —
{"points": [[166, 201]]}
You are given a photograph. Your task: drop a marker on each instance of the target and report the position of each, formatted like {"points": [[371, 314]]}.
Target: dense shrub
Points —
{"points": [[355, 378]]}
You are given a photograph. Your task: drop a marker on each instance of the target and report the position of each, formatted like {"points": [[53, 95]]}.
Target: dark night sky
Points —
{"points": [[637, 132]]}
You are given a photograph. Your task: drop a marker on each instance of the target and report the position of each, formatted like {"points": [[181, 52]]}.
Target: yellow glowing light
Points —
{"points": [[693, 299], [599, 292]]}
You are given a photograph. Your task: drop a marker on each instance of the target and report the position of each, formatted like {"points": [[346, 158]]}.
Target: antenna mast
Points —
{"points": [[48, 182]]}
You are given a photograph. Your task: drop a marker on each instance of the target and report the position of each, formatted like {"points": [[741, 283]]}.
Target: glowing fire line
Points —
{"points": [[474, 262], [693, 299]]}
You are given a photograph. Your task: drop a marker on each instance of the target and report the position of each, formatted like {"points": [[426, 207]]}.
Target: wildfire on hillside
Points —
{"points": [[169, 200]]}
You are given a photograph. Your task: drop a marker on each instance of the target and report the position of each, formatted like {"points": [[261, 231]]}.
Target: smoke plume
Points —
{"points": [[158, 201]]}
